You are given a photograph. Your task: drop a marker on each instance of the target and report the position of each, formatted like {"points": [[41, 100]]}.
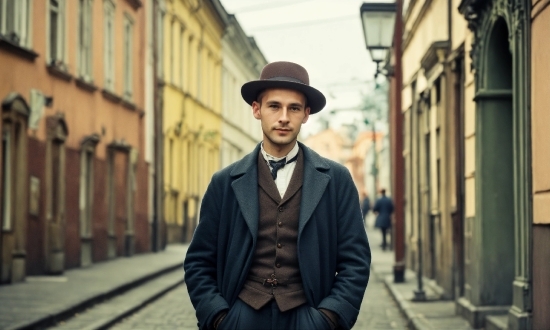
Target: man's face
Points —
{"points": [[282, 113]]}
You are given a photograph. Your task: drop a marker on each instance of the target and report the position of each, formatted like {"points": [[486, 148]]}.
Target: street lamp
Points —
{"points": [[378, 23]]}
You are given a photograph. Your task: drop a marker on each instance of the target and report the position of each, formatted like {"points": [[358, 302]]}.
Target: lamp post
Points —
{"points": [[378, 25], [383, 29]]}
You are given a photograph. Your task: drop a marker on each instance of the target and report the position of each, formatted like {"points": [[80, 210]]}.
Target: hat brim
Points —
{"points": [[316, 101]]}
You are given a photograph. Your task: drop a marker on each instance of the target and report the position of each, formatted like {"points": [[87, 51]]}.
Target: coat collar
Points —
{"points": [[245, 186]]}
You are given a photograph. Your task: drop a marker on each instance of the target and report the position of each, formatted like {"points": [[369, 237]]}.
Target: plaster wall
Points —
{"points": [[426, 23], [540, 117], [85, 112]]}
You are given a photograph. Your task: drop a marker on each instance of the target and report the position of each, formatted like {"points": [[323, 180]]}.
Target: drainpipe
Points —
{"points": [[398, 237], [419, 293], [156, 235]]}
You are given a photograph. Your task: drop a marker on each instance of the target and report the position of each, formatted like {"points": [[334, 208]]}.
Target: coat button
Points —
{"points": [[278, 265], [280, 224], [280, 209], [279, 245]]}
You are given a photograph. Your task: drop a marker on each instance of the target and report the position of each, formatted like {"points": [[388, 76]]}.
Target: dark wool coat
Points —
{"points": [[333, 250], [384, 207]]}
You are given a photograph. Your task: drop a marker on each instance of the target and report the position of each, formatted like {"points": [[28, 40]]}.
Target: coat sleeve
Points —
{"points": [[201, 260], [353, 256]]}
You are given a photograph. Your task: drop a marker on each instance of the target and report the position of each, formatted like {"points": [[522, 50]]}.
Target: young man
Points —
{"points": [[280, 243]]}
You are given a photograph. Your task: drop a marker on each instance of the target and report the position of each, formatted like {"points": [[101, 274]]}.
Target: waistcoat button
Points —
{"points": [[278, 265], [279, 245], [280, 224]]}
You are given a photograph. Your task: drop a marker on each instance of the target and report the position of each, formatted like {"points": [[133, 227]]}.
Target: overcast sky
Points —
{"points": [[325, 36]]}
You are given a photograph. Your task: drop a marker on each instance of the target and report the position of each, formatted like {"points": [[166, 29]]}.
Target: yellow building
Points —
{"points": [[191, 101]]}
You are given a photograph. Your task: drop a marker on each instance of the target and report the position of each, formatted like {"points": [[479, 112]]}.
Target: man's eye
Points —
{"points": [[295, 109]]}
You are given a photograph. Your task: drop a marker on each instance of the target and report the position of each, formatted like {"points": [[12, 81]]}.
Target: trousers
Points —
{"points": [[243, 317]]}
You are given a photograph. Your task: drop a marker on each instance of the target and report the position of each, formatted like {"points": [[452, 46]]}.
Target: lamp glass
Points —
{"points": [[378, 24], [378, 54]]}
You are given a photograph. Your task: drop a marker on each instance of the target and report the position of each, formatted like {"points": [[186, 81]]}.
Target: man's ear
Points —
{"points": [[256, 110], [307, 112]]}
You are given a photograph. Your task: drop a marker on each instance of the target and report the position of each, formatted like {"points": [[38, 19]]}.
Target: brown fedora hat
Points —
{"points": [[284, 75]]}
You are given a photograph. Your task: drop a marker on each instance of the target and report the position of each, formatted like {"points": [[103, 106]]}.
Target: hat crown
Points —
{"points": [[283, 70]]}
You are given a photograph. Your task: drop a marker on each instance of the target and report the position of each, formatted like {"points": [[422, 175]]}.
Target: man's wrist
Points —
{"points": [[218, 319], [331, 317]]}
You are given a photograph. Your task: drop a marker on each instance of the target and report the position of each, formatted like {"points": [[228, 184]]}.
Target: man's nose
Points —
{"points": [[284, 115]]}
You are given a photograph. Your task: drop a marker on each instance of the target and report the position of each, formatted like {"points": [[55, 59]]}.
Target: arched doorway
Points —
{"points": [[14, 192], [498, 240], [495, 173]]}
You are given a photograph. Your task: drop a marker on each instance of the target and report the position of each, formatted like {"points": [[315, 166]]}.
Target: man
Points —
{"points": [[383, 208], [280, 243]]}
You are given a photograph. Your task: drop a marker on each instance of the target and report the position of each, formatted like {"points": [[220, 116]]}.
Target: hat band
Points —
{"points": [[287, 79]]}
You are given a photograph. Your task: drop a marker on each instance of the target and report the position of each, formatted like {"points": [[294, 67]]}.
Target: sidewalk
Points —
{"points": [[41, 299], [429, 315]]}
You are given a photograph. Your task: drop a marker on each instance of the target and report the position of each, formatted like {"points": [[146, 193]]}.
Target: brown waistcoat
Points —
{"points": [[276, 246]]}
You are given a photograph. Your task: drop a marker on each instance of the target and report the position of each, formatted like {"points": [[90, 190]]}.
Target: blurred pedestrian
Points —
{"points": [[277, 226], [383, 208], [365, 206]]}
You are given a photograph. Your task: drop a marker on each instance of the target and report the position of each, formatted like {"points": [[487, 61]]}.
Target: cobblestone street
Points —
{"points": [[174, 310]]}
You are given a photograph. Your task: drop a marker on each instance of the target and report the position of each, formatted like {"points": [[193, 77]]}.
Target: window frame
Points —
{"points": [[109, 10], [60, 58], [85, 50], [128, 45], [22, 23]]}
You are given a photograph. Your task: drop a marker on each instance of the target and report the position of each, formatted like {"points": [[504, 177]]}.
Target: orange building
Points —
{"points": [[74, 179], [330, 144]]}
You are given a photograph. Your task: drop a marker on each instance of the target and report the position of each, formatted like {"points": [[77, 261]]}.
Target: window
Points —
{"points": [[172, 51], [109, 46], [85, 39], [15, 21], [199, 73], [128, 45], [160, 44], [181, 55], [56, 33]]}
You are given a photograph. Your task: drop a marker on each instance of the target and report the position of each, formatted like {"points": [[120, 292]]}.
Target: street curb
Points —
{"points": [[52, 319], [109, 321], [414, 321]]}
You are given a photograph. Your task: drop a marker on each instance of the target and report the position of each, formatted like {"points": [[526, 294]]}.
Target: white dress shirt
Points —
{"points": [[284, 174]]}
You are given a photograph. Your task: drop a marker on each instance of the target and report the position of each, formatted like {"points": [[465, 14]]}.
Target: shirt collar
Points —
{"points": [[288, 157]]}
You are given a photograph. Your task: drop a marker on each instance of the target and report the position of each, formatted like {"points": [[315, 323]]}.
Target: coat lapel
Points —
{"points": [[296, 180], [314, 184], [245, 186]]}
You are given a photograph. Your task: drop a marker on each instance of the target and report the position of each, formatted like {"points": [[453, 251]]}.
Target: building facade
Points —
{"points": [[74, 178], [191, 107], [498, 228], [433, 83], [467, 127], [242, 62], [540, 68]]}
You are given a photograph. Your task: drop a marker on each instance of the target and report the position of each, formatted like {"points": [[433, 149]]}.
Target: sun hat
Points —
{"points": [[284, 75]]}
